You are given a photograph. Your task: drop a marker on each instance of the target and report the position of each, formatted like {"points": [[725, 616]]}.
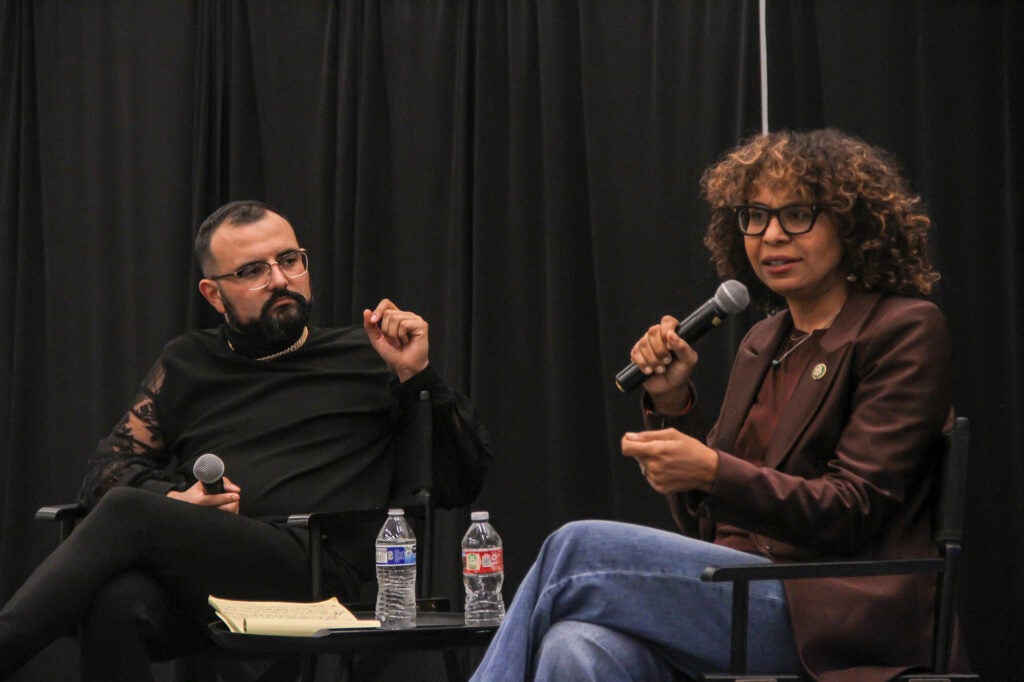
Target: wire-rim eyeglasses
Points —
{"points": [[256, 275]]}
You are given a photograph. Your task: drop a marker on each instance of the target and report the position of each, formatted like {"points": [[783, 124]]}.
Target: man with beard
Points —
{"points": [[304, 419]]}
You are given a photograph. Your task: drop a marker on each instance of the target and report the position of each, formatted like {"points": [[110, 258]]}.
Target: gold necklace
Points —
{"points": [[828, 323], [778, 361], [290, 349]]}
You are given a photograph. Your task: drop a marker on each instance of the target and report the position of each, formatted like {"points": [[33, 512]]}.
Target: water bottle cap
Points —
{"points": [[480, 516], [396, 512]]}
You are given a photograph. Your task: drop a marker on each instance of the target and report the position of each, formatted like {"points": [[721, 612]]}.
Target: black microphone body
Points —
{"points": [[209, 470], [215, 488], [731, 297]]}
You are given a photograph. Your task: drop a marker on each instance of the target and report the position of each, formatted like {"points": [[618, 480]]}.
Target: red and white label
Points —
{"points": [[482, 561]]}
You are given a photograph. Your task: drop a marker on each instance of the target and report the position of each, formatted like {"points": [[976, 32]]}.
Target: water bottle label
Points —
{"points": [[396, 556], [482, 561]]}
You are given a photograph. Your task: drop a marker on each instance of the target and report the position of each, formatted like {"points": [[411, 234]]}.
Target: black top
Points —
{"points": [[308, 431]]}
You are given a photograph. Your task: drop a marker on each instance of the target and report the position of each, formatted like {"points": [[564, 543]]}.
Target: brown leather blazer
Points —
{"points": [[849, 473]]}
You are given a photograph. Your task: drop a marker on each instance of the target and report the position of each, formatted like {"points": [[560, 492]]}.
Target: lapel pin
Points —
{"points": [[819, 371]]}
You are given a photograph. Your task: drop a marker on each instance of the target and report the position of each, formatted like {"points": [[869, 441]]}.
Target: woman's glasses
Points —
{"points": [[793, 219]]}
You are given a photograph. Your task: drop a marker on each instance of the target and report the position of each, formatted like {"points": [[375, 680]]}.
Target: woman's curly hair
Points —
{"points": [[882, 224]]}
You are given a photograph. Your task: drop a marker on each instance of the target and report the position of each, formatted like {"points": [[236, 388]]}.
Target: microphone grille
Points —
{"points": [[209, 468], [732, 297]]}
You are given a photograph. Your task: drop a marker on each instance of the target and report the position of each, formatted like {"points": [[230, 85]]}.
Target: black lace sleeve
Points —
{"points": [[134, 452]]}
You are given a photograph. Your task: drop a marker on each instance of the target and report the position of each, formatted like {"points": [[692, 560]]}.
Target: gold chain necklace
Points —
{"points": [[290, 349], [778, 361]]}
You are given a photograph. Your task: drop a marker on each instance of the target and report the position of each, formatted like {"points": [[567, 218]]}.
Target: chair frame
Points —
{"points": [[949, 537]]}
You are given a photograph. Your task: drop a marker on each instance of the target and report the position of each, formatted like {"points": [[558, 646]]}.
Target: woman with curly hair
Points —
{"points": [[826, 446], [881, 224]]}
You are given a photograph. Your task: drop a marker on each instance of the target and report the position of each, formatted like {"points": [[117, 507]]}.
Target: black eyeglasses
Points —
{"points": [[257, 275], [793, 219]]}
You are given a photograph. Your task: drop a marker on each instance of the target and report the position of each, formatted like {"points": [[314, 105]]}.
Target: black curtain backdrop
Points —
{"points": [[523, 174]]}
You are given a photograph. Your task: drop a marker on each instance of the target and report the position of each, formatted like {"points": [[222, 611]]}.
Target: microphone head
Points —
{"points": [[732, 297], [209, 468]]}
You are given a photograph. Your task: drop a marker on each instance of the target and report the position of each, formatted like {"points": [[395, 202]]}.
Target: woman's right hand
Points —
{"points": [[668, 362]]}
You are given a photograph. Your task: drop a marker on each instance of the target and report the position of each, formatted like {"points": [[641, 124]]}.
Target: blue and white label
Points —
{"points": [[396, 556]]}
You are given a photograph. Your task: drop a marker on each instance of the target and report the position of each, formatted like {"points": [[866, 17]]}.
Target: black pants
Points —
{"points": [[135, 576]]}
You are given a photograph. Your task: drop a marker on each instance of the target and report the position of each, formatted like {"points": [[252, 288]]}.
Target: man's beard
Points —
{"points": [[275, 325]]}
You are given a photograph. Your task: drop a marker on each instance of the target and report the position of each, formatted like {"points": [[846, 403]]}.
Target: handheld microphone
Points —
{"points": [[209, 469], [731, 297]]}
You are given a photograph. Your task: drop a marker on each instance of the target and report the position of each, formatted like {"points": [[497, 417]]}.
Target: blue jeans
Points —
{"points": [[613, 601]]}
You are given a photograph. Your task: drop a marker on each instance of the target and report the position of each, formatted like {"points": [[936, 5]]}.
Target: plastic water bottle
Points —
{"points": [[483, 571], [396, 572]]}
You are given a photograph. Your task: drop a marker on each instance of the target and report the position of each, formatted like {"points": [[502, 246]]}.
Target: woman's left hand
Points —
{"points": [[671, 461]]}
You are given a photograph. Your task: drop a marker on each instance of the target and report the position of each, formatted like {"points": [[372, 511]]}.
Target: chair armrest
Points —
{"points": [[831, 569], [340, 520], [60, 512], [344, 520], [742, 575], [64, 514]]}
